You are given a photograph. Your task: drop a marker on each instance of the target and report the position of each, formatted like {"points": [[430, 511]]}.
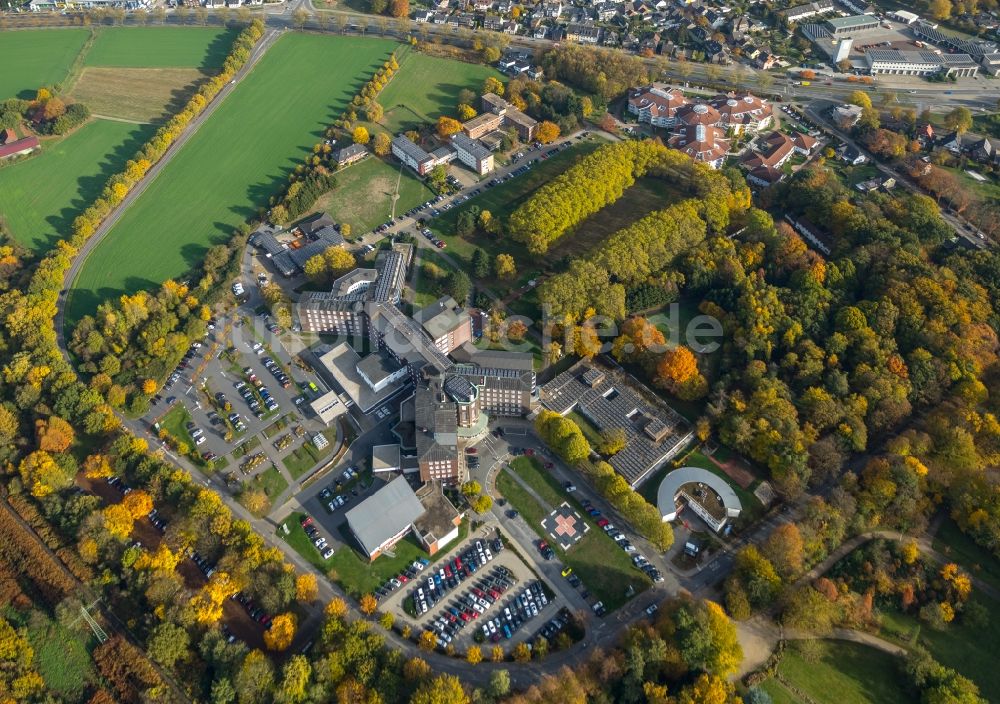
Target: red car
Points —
{"points": [[307, 521], [403, 578], [529, 452], [471, 450], [603, 522], [550, 465]]}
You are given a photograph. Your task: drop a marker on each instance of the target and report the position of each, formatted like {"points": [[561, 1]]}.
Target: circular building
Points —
{"points": [[707, 494]]}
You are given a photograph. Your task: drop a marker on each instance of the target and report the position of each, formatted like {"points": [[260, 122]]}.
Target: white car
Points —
{"points": [[328, 554], [238, 288]]}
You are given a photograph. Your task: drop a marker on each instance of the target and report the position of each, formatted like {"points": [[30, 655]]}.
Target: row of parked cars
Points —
{"points": [[320, 542], [440, 244], [255, 612], [178, 371], [394, 583], [519, 610], [453, 573], [471, 605], [277, 372]]}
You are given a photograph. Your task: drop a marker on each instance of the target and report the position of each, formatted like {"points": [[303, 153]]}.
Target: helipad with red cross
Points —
{"points": [[565, 526]]}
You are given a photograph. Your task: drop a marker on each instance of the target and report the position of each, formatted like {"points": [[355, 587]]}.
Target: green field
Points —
{"points": [[161, 47], [43, 194], [605, 569], [231, 166], [427, 87], [971, 651], [978, 561], [364, 193], [37, 57], [846, 673]]}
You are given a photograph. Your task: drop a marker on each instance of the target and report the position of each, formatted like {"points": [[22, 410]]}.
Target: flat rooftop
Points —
{"points": [[341, 363]]}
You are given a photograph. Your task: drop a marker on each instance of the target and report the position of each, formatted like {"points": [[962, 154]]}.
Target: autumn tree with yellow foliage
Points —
{"points": [[279, 636]]}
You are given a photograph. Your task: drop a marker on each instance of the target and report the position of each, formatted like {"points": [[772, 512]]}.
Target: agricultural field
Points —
{"points": [[230, 167], [43, 194], [37, 57], [427, 87], [364, 193], [161, 47], [846, 673], [145, 74], [136, 94]]}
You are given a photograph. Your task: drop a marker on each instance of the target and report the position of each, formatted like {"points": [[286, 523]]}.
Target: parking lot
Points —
{"points": [[478, 585], [237, 405]]}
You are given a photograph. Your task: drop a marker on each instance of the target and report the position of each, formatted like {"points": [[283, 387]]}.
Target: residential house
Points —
{"points": [[583, 33], [351, 154], [851, 155]]}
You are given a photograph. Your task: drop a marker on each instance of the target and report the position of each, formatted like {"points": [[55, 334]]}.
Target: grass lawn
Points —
{"points": [[32, 58], [44, 193], [501, 200], [847, 673], [161, 47], [427, 289], [589, 430], [231, 166], [970, 651], [427, 87], [271, 482], [300, 542], [304, 457], [605, 569], [779, 693], [61, 656], [298, 461], [980, 562], [645, 196], [175, 421], [364, 193], [358, 576]]}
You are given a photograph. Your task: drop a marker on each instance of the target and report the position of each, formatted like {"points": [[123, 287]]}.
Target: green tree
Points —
{"points": [[505, 267], [480, 263], [168, 644], [959, 120], [458, 285]]}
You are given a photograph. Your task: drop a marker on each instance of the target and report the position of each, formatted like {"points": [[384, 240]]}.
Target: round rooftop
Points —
{"points": [[731, 102], [666, 495], [700, 109]]}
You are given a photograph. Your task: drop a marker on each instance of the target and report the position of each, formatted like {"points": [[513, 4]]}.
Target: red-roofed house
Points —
{"points": [[656, 104], [746, 112], [704, 143], [19, 147]]}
